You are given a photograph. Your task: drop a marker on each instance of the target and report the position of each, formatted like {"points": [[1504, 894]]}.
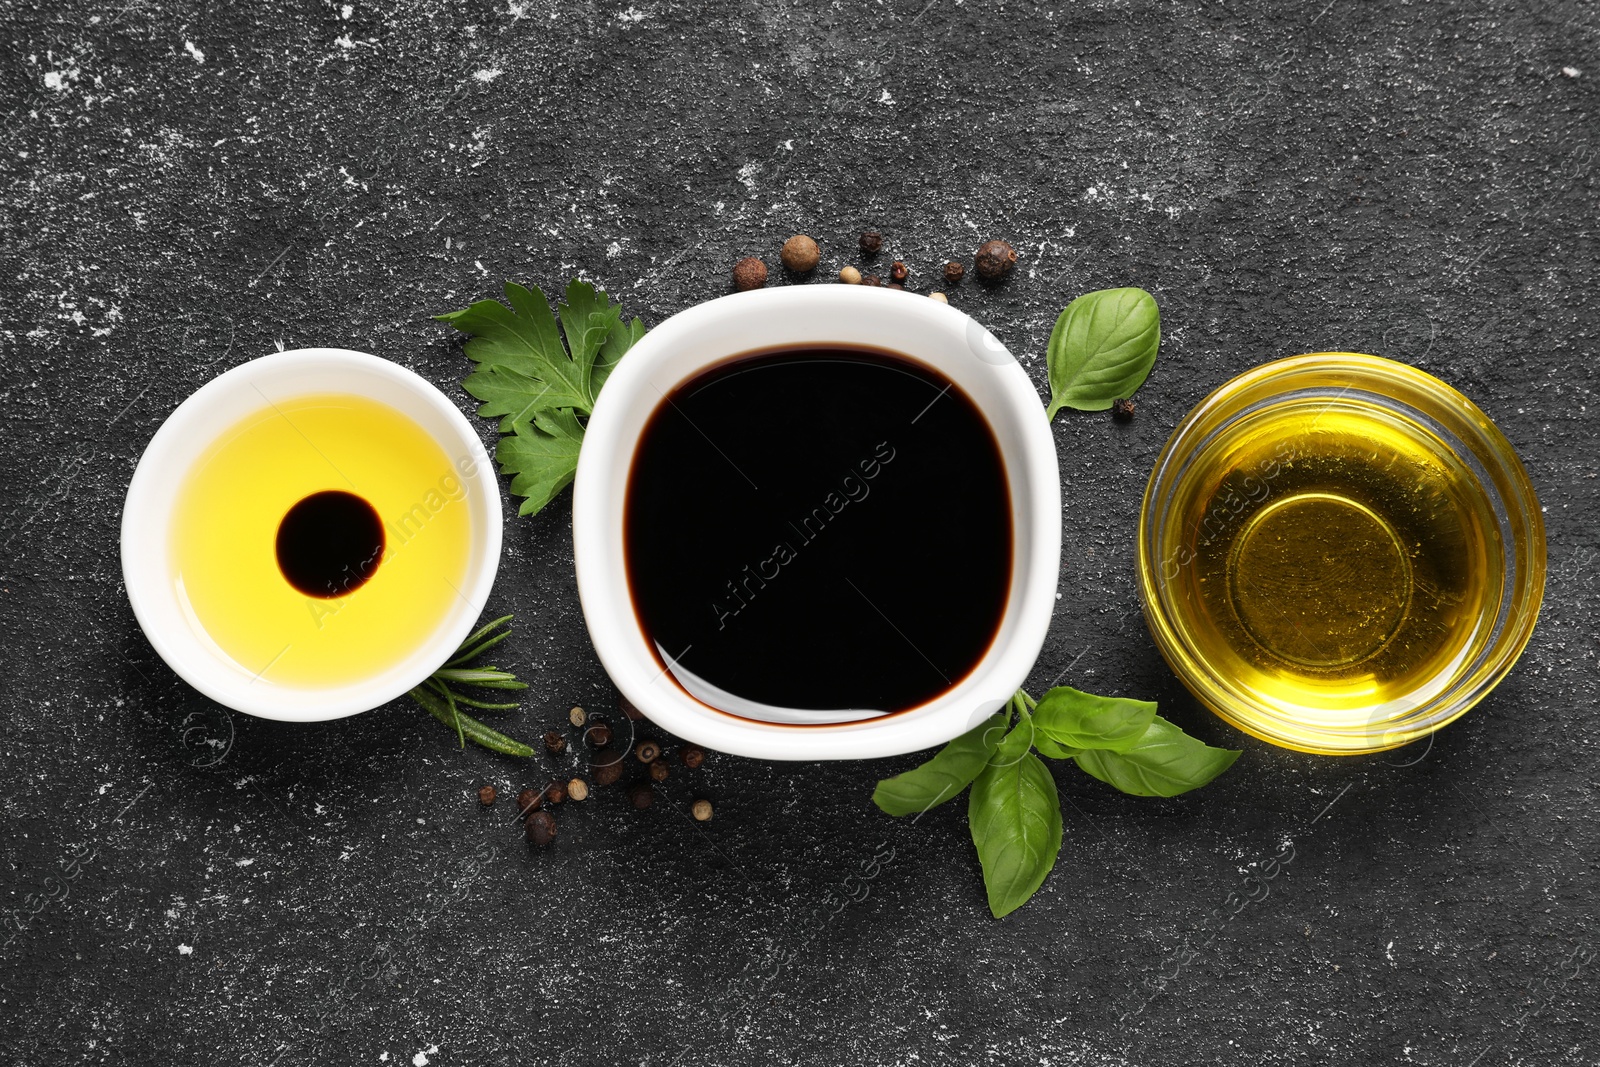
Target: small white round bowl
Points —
{"points": [[933, 333], [219, 404]]}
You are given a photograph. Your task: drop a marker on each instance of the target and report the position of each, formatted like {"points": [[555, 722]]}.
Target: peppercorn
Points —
{"points": [[640, 795], [939, 297], [871, 241], [1122, 409], [872, 280], [658, 770], [529, 801], [487, 794], [607, 773], [598, 735], [648, 751], [994, 260], [850, 276], [577, 789], [555, 742], [895, 285], [701, 811], [541, 828], [899, 271], [954, 272], [555, 793], [628, 709], [577, 716], [749, 273], [691, 756], [800, 254]]}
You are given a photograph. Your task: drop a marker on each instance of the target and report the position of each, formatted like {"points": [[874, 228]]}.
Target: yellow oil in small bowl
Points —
{"points": [[319, 540], [1339, 553]]}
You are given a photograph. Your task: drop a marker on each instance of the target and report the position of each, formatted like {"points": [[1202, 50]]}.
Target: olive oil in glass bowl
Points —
{"points": [[1339, 553]]}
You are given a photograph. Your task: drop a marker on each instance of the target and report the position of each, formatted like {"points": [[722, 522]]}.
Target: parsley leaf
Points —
{"points": [[539, 378]]}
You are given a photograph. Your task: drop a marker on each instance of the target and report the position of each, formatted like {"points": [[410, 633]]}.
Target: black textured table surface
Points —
{"points": [[185, 187]]}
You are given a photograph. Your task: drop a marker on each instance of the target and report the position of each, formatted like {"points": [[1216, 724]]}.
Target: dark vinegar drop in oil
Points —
{"points": [[823, 528], [330, 543]]}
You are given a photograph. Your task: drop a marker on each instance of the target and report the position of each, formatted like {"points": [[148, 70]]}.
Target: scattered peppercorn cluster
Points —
{"points": [[992, 262], [607, 766]]}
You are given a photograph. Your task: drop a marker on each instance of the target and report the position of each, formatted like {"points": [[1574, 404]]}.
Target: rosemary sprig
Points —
{"points": [[444, 703]]}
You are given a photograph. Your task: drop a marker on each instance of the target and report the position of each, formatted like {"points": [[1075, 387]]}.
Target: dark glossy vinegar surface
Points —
{"points": [[820, 528]]}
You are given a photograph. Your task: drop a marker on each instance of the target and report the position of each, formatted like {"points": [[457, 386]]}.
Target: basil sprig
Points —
{"points": [[1013, 809], [1102, 349]]}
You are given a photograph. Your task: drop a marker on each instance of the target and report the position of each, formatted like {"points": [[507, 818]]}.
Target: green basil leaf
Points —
{"points": [[1016, 826], [1165, 762], [946, 774], [1102, 348], [1050, 748], [1083, 720]]}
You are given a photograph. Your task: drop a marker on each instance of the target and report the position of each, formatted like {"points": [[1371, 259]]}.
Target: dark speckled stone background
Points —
{"points": [[186, 186]]}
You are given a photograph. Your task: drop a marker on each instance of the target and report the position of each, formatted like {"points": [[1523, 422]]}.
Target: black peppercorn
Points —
{"points": [[541, 828], [529, 801], [1122, 409], [648, 751], [994, 260], [487, 795], [658, 771], [555, 742], [640, 795], [954, 272], [607, 773], [899, 272], [598, 735], [691, 756], [871, 241]]}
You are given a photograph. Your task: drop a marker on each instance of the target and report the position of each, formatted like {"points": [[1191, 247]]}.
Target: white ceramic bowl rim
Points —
{"points": [[928, 331], [194, 425]]}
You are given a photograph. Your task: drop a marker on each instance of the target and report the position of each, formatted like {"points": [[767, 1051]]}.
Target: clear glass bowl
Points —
{"points": [[1339, 553]]}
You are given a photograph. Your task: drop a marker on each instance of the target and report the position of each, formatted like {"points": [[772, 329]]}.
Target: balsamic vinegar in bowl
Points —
{"points": [[817, 534]]}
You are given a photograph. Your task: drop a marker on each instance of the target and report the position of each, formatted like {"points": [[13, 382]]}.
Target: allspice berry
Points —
{"points": [[486, 795], [994, 260], [954, 272], [899, 272], [692, 756], [598, 735], [607, 773], [871, 280], [641, 796], [1122, 409], [648, 751], [628, 708], [800, 254], [554, 741], [578, 789], [541, 828], [658, 771], [939, 297], [749, 273], [850, 276], [555, 793], [701, 811], [577, 716], [871, 241], [529, 801]]}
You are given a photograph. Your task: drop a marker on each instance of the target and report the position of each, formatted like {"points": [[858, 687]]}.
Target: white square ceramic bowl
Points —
{"points": [[939, 336]]}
